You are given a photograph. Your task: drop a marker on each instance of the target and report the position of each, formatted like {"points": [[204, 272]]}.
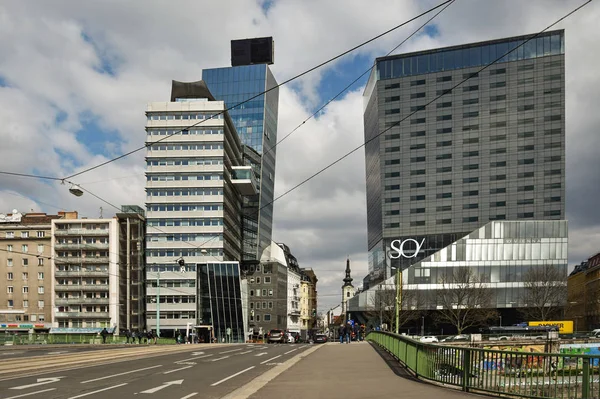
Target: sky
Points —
{"points": [[75, 78]]}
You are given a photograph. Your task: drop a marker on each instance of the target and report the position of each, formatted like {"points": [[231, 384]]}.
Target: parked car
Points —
{"points": [[320, 338], [290, 339], [457, 338], [276, 336], [428, 339]]}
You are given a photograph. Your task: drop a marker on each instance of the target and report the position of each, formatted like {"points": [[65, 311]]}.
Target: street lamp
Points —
{"points": [[500, 320]]}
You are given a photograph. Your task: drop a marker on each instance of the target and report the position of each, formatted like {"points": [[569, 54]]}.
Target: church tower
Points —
{"points": [[347, 290]]}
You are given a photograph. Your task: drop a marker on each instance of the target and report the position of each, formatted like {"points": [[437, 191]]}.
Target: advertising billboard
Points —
{"points": [[564, 327]]}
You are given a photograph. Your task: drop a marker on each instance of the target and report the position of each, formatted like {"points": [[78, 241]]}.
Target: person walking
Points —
{"points": [[127, 335], [104, 333], [348, 332], [342, 334], [139, 336]]}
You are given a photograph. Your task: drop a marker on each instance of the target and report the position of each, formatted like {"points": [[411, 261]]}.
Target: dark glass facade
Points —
{"points": [[220, 300], [256, 124], [449, 162]]}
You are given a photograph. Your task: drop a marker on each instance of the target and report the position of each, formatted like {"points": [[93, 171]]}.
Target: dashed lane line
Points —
{"points": [[231, 376], [268, 360], [99, 390], [31, 393], [219, 358], [291, 351], [172, 371], [233, 350], [117, 375]]}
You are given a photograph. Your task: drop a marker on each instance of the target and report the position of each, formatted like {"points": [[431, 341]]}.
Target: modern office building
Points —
{"points": [[256, 125], [450, 149], [25, 269], [193, 200], [85, 273], [132, 273]]}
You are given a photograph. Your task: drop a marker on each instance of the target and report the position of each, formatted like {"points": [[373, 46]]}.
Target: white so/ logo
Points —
{"points": [[398, 247]]}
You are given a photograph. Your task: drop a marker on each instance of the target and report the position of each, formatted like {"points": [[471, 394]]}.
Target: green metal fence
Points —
{"points": [[500, 372]]}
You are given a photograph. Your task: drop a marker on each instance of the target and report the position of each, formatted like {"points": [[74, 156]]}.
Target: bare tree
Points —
{"points": [[545, 292], [465, 300], [383, 306]]}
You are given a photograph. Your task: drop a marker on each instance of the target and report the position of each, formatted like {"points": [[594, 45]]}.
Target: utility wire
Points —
{"points": [[29, 175], [262, 93]]}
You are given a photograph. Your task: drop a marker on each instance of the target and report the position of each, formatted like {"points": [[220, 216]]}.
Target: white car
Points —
{"points": [[428, 339]]}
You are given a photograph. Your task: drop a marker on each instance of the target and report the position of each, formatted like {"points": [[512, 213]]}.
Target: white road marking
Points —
{"points": [[233, 350], [172, 371], [40, 381], [231, 376], [273, 358], [99, 390], [219, 358], [197, 353], [243, 353], [193, 358], [182, 363], [57, 353], [7, 353], [291, 351], [31, 393], [116, 375], [260, 354], [163, 386], [190, 395]]}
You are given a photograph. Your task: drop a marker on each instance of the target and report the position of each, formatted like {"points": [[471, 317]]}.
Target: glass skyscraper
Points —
{"points": [[256, 124], [493, 148]]}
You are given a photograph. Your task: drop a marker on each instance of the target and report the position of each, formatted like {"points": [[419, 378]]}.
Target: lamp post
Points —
{"points": [[398, 298], [500, 320], [422, 325]]}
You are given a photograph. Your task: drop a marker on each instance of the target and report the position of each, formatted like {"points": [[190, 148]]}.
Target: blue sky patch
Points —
{"points": [[3, 82], [108, 63], [431, 30], [96, 139], [266, 5]]}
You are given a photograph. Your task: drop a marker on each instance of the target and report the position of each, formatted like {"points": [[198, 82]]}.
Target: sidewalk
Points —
{"points": [[349, 371]]}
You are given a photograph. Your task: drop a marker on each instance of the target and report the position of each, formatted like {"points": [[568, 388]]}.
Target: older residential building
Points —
{"points": [[308, 301], [583, 295], [85, 273], [25, 269], [294, 322]]}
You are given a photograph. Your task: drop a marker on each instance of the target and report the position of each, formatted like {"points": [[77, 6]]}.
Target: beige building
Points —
{"points": [[25, 269], [308, 300]]}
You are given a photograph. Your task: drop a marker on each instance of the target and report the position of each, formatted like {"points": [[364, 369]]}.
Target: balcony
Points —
{"points": [[243, 180], [80, 246], [73, 287], [80, 273], [79, 260], [82, 315], [81, 301], [81, 232], [294, 313]]}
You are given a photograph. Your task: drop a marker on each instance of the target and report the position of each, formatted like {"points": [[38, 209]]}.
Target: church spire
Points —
{"points": [[347, 279]]}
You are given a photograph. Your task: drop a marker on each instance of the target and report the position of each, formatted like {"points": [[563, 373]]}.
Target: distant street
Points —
{"points": [[182, 371]]}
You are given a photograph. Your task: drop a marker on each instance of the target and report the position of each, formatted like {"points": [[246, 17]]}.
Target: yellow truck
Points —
{"points": [[564, 327]]}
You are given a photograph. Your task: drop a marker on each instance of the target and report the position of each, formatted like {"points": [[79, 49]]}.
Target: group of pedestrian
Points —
{"points": [[351, 331], [146, 336]]}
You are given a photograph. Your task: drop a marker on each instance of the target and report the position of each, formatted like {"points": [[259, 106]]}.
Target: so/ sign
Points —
{"points": [[397, 248]]}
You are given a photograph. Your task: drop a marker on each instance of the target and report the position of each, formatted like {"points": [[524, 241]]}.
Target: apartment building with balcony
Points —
{"points": [[25, 269], [294, 322], [85, 273]]}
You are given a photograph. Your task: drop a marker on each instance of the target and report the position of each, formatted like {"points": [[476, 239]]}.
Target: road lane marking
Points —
{"points": [[32, 393], [231, 376], [99, 390], [190, 395], [233, 350], [219, 358], [291, 351], [40, 381], [57, 353], [193, 358], [163, 386], [126, 372], [243, 353], [172, 371], [197, 353], [260, 354], [268, 360]]}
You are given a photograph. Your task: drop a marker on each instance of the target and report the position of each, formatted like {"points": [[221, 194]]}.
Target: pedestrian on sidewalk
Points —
{"points": [[104, 333], [127, 335], [348, 332], [342, 334]]}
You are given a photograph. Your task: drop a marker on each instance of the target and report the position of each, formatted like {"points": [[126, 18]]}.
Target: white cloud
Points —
{"points": [[52, 60]]}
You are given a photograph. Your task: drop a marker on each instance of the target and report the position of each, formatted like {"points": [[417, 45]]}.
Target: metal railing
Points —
{"points": [[54, 339], [500, 372]]}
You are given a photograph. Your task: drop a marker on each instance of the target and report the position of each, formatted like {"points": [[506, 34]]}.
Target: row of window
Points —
{"points": [[446, 130], [186, 222], [25, 317], [11, 303], [156, 192], [467, 193], [185, 237], [25, 276], [186, 208], [266, 317], [257, 305], [448, 208], [24, 262], [445, 169], [25, 234], [475, 140], [103, 228], [184, 252], [186, 147], [172, 283], [172, 299], [492, 125], [257, 280], [470, 75], [184, 132], [471, 219], [185, 162], [88, 240], [82, 254], [171, 116], [184, 177], [265, 292]]}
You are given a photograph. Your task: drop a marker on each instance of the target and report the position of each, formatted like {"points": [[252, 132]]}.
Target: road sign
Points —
{"points": [[163, 386], [40, 381]]}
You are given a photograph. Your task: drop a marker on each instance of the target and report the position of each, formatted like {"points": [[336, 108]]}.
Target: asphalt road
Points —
{"points": [[45, 350], [195, 371]]}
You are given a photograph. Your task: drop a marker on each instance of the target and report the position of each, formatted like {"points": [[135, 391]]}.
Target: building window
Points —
{"points": [[41, 234], [251, 292], [473, 166], [471, 206], [467, 180], [496, 85], [24, 248], [525, 215], [25, 276], [9, 276], [270, 292], [443, 221], [500, 97], [25, 262], [257, 317], [498, 164], [443, 169], [470, 127], [264, 292], [524, 175], [417, 198], [9, 248], [470, 219], [41, 305], [10, 303], [525, 188], [498, 151], [444, 183], [501, 190], [267, 317], [528, 201], [470, 193], [444, 104], [416, 146], [9, 289], [552, 213], [420, 184], [258, 280], [25, 290], [470, 88], [525, 135], [40, 276], [417, 172], [9, 262], [10, 234], [420, 133], [467, 154], [417, 223], [417, 95], [444, 118], [443, 208], [40, 261], [270, 305], [471, 101], [267, 280], [417, 121], [443, 195], [497, 124], [472, 114], [444, 143], [24, 234], [417, 210], [443, 130], [497, 204], [528, 161], [40, 248], [417, 108], [473, 140]]}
